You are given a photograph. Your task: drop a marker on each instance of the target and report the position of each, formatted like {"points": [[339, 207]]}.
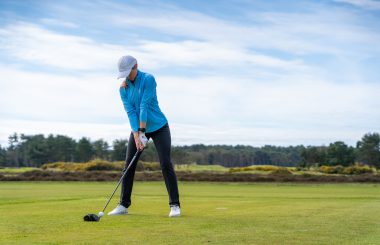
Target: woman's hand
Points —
{"points": [[124, 84], [143, 138], [139, 145]]}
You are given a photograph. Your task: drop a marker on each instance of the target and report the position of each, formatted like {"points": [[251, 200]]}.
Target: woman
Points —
{"points": [[138, 93]]}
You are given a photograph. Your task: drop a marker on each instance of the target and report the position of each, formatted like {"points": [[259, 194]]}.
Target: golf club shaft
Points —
{"points": [[122, 177]]}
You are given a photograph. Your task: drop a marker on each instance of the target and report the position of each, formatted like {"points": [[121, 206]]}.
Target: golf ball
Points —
{"points": [[101, 214]]}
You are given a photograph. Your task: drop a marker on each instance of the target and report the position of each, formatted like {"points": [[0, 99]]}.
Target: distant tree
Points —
{"points": [[262, 158], [313, 155], [180, 156], [339, 153], [196, 157], [211, 158], [294, 154], [101, 149], [119, 149], [34, 149], [198, 147], [13, 154], [369, 149], [84, 150], [3, 156], [150, 153], [60, 148]]}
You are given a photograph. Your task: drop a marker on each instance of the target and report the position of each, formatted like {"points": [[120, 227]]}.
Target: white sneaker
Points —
{"points": [[175, 211], [119, 210]]}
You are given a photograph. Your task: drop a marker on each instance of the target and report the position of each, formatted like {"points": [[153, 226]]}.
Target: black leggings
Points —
{"points": [[162, 142]]}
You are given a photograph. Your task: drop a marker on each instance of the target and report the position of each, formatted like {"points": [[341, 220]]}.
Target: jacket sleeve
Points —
{"points": [[130, 109], [148, 94]]}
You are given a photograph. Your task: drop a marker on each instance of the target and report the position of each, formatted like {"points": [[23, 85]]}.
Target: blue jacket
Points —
{"points": [[141, 104]]}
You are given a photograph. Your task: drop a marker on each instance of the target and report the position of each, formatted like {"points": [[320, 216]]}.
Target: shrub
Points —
{"points": [[99, 165], [141, 166], [242, 169], [150, 166], [281, 171], [94, 165], [358, 169], [352, 170], [59, 165], [299, 168], [265, 168], [331, 169]]}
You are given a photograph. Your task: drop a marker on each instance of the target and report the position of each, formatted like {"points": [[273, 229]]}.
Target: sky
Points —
{"points": [[227, 72]]}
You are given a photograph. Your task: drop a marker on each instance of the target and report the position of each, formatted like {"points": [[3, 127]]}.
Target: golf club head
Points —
{"points": [[91, 218]]}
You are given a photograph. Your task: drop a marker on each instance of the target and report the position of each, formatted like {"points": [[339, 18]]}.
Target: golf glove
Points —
{"points": [[143, 138]]}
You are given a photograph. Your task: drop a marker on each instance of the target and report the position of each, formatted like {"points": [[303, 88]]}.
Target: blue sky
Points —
{"points": [[228, 72]]}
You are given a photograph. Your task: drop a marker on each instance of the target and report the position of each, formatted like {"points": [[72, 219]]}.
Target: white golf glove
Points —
{"points": [[143, 138]]}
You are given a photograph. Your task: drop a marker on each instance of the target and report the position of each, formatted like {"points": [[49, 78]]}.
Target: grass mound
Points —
{"points": [[99, 165], [351, 170]]}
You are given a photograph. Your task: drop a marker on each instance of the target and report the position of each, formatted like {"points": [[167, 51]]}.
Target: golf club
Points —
{"points": [[94, 217]]}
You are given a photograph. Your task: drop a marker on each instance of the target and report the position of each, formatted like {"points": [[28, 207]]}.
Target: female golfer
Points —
{"points": [[138, 93]]}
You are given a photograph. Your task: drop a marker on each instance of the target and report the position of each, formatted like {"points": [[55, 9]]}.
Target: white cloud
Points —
{"points": [[28, 42], [195, 53], [260, 136], [297, 102], [59, 23], [43, 96], [368, 4], [317, 31]]}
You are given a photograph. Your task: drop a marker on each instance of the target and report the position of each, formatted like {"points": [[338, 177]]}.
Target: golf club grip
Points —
{"points": [[122, 177]]}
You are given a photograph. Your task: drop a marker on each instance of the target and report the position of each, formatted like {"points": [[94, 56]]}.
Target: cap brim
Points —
{"points": [[124, 74]]}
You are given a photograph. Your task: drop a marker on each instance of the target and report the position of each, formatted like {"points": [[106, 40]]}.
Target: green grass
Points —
{"points": [[213, 213]]}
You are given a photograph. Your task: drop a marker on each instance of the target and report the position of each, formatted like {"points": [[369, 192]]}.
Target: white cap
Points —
{"points": [[125, 65]]}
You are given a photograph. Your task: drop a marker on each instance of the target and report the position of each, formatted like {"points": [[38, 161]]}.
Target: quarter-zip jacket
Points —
{"points": [[141, 104]]}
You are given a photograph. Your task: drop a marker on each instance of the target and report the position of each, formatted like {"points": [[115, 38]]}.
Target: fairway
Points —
{"points": [[212, 213]]}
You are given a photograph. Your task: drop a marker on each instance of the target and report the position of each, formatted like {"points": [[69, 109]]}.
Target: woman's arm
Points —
{"points": [[148, 95], [130, 109], [132, 115]]}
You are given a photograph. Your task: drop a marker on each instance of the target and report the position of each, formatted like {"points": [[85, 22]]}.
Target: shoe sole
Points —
{"points": [[172, 216]]}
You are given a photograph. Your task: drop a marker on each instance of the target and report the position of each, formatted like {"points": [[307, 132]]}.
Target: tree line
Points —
{"points": [[35, 150]]}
